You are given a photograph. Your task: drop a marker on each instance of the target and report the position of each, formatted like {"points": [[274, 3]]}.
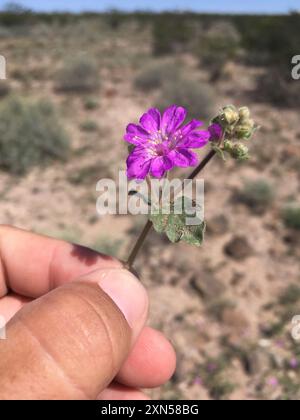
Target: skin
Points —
{"points": [[66, 337]]}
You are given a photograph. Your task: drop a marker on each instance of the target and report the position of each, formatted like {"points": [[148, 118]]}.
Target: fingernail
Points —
{"points": [[127, 293]]}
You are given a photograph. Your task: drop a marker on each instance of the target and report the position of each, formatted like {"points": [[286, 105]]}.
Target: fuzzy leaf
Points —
{"points": [[175, 225]]}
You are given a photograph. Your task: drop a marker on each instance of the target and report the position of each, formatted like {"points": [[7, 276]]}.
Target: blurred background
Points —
{"points": [[76, 75]]}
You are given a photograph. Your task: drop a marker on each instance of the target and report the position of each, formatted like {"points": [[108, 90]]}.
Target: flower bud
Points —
{"points": [[230, 115], [237, 151], [244, 130], [228, 146], [240, 152], [244, 113]]}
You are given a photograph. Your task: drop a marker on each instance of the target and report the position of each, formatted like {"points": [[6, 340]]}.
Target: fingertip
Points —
{"points": [[151, 362]]}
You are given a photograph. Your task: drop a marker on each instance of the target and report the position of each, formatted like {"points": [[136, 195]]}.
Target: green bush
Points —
{"points": [[197, 97], [217, 45], [90, 104], [156, 74], [89, 126], [171, 33], [257, 195], [79, 74], [30, 134], [291, 216], [273, 88], [4, 88]]}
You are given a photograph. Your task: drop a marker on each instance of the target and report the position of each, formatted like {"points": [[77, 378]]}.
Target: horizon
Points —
{"points": [[256, 7]]}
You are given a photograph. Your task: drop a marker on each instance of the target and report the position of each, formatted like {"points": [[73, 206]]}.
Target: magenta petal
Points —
{"points": [[138, 163], [183, 158], [195, 140], [136, 134], [190, 127], [215, 131], [160, 165], [138, 169], [151, 120], [191, 157], [178, 159], [172, 118]]}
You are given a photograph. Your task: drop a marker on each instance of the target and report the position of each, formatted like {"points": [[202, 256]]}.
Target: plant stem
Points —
{"points": [[148, 226]]}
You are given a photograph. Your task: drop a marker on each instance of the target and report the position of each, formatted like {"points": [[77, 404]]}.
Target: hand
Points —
{"points": [[76, 324]]}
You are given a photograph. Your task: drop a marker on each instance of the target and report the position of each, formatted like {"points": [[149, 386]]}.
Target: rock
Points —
{"points": [[218, 225], [238, 248], [256, 362], [207, 286]]}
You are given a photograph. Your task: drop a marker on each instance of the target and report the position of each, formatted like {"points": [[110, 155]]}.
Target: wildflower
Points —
{"points": [[198, 381], [294, 364], [162, 142], [215, 131], [273, 382]]}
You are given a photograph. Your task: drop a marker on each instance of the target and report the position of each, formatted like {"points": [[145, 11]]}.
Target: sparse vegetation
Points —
{"points": [[79, 74], [30, 134], [257, 195], [228, 306], [156, 74], [89, 126], [197, 97], [218, 44], [90, 104], [291, 216]]}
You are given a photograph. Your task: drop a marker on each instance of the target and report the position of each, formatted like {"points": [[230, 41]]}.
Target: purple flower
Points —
{"points": [[273, 382], [294, 364], [215, 132], [162, 142]]}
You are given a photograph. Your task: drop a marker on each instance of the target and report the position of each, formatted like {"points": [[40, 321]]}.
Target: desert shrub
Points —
{"points": [[171, 33], [290, 296], [4, 88], [30, 134], [274, 38], [90, 104], [79, 74], [197, 97], [156, 74], [4, 32], [257, 195], [217, 45], [291, 216], [274, 88], [89, 126]]}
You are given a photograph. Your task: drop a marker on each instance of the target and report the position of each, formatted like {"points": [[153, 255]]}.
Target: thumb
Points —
{"points": [[70, 343]]}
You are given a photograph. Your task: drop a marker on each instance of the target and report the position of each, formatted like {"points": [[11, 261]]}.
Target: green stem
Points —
{"points": [[148, 226]]}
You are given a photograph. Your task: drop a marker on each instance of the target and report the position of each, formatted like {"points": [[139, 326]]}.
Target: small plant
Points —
{"points": [[89, 126], [161, 142], [257, 195], [290, 296], [79, 74], [171, 33], [198, 97], [4, 88], [291, 217], [277, 90], [155, 75], [217, 45], [90, 104], [30, 134]]}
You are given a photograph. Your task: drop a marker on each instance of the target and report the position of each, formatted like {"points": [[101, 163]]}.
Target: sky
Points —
{"points": [[220, 6]]}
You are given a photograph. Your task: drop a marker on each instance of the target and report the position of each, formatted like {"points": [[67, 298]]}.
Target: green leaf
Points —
{"points": [[175, 225]]}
